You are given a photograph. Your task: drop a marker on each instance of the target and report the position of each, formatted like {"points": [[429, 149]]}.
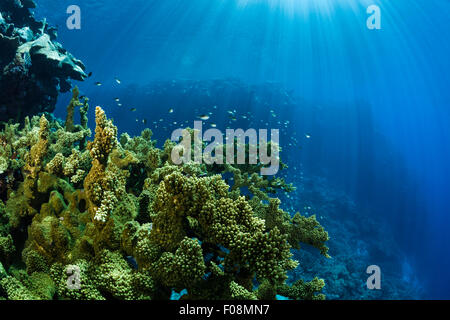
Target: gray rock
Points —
{"points": [[48, 55], [33, 66], [25, 34]]}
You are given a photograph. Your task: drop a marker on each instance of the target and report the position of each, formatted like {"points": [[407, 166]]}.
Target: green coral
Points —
{"points": [[182, 268], [15, 290], [87, 289], [240, 293], [102, 182], [21, 286], [38, 151], [75, 102], [3, 162], [302, 290], [7, 248], [299, 229], [132, 225], [75, 133]]}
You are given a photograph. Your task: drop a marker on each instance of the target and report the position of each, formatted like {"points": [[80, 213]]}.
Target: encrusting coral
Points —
{"points": [[132, 225]]}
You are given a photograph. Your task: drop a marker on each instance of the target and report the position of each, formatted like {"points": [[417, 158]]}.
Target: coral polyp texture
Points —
{"points": [[114, 218], [33, 66]]}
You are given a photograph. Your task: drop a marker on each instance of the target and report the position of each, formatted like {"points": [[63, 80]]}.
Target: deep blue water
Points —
{"points": [[375, 103]]}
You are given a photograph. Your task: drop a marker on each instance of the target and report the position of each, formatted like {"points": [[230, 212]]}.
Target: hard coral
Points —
{"points": [[135, 226]]}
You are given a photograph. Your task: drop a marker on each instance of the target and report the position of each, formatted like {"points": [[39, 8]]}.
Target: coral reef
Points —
{"points": [[33, 66], [353, 251], [116, 219]]}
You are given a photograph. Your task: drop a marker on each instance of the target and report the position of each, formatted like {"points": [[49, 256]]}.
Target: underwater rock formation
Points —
{"points": [[33, 66], [352, 252], [132, 225]]}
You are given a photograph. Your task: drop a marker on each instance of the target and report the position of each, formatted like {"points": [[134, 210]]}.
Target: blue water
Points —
{"points": [[375, 103]]}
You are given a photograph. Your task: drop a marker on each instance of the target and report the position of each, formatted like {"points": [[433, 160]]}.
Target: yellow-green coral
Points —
{"points": [[182, 268], [87, 287], [36, 156], [75, 102], [302, 290], [105, 137], [15, 290], [136, 226], [299, 229], [3, 164], [21, 286], [102, 183], [6, 248]]}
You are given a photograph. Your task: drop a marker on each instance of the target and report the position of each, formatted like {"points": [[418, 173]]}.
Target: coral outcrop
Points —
{"points": [[33, 66], [352, 251], [116, 219]]}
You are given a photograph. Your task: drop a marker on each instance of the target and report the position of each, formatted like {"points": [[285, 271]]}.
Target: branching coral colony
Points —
{"points": [[133, 224]]}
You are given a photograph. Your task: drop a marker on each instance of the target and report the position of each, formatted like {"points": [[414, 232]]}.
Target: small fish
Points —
{"points": [[213, 125], [118, 80], [90, 74], [117, 99], [307, 136], [170, 110], [119, 104], [133, 109], [144, 121], [204, 117], [98, 84]]}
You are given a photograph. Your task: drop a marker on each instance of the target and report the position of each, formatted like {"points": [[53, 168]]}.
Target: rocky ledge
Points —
{"points": [[34, 68]]}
